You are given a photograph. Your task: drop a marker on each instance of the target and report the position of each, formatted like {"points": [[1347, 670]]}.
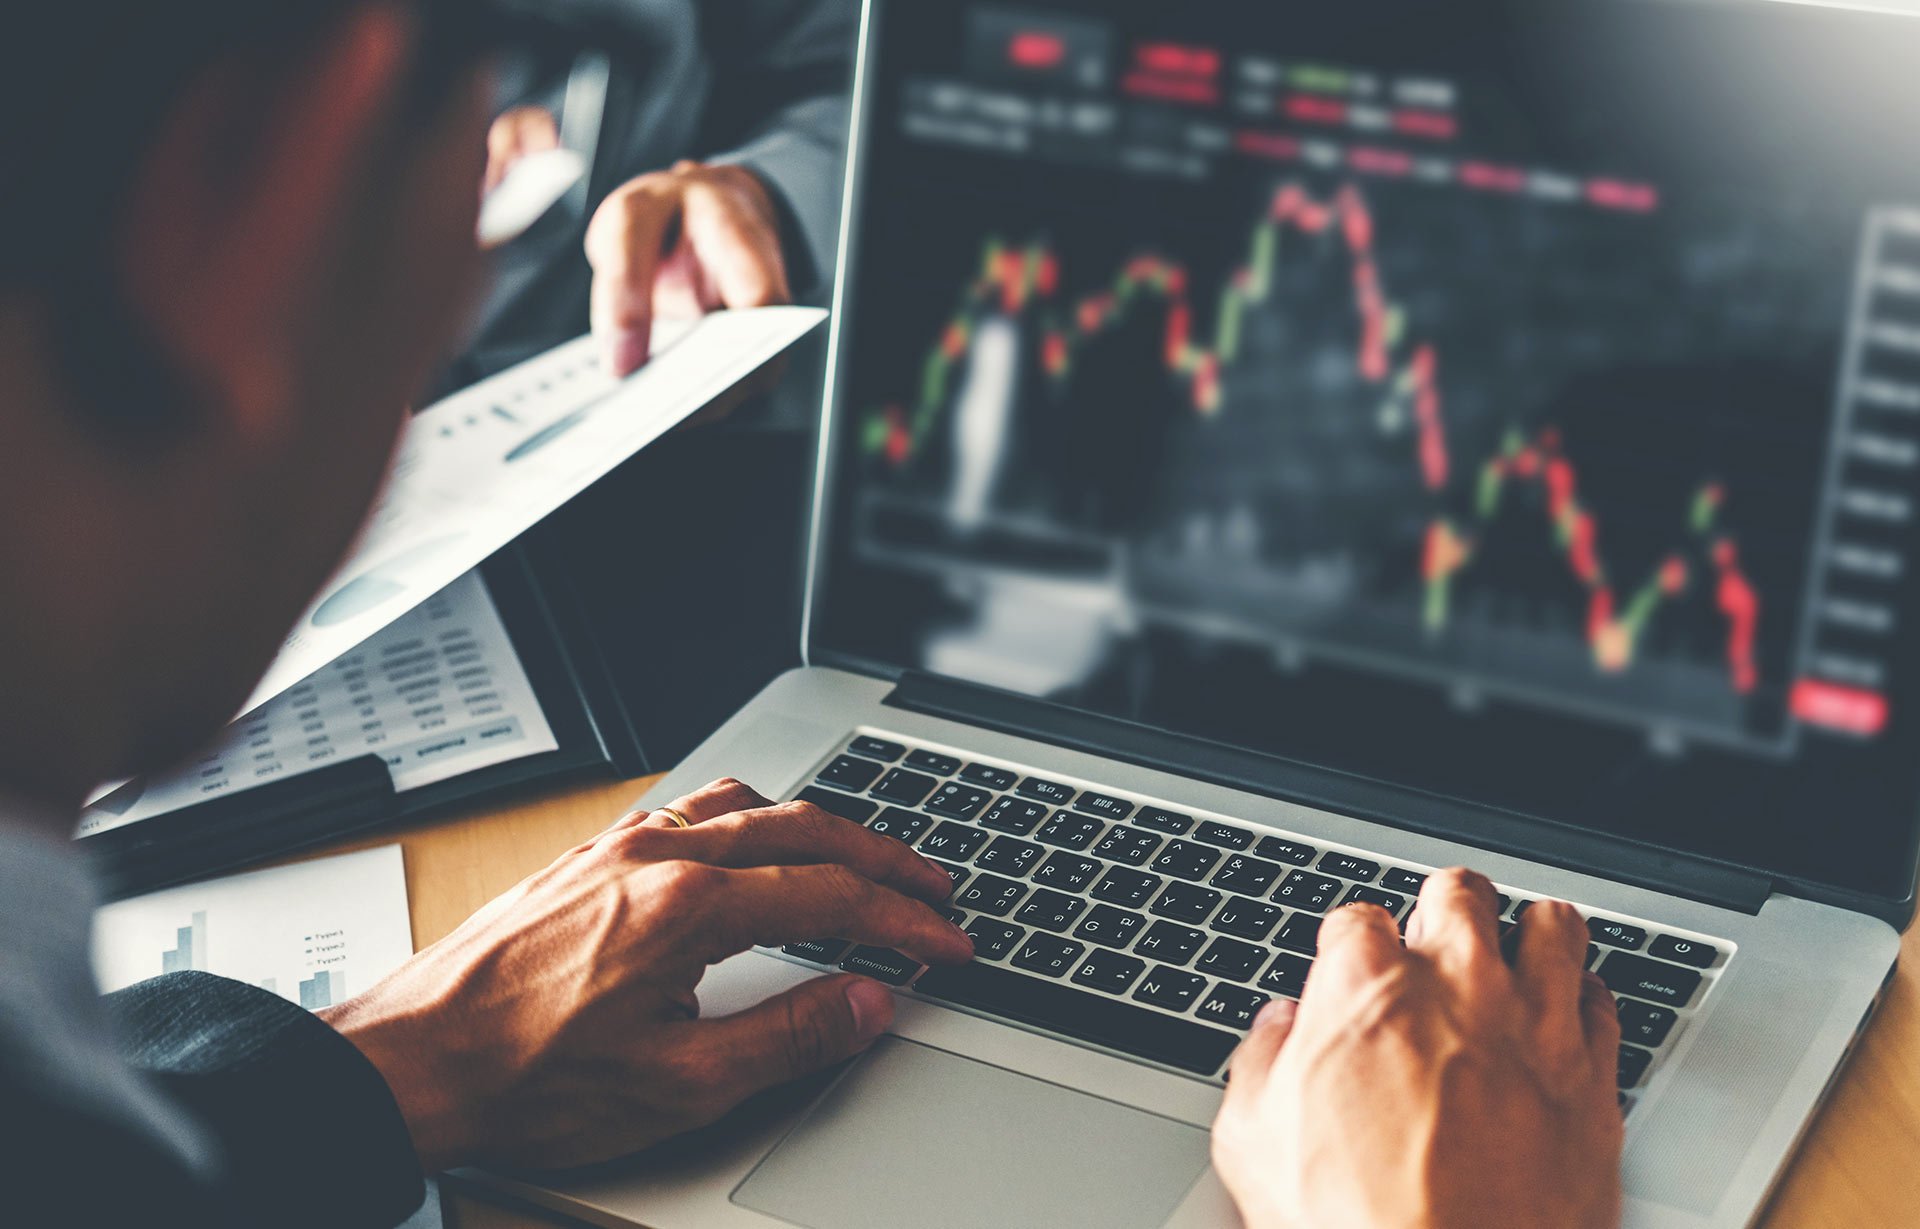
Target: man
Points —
{"points": [[228, 260]]}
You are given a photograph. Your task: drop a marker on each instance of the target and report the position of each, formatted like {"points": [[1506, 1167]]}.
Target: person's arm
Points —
{"points": [[1431, 1084], [783, 70], [306, 1130]]}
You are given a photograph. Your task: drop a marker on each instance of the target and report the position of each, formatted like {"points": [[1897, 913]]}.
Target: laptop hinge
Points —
{"points": [[1489, 828]]}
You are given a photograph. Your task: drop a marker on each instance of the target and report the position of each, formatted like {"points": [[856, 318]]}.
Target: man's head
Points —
{"points": [[234, 237]]}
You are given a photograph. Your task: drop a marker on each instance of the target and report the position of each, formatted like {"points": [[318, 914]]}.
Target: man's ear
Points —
{"points": [[230, 213]]}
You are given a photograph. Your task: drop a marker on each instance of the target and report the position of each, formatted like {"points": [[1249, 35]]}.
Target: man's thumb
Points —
{"points": [[814, 1025]]}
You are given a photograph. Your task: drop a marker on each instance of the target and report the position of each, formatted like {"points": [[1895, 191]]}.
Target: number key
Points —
{"points": [[1363, 895], [1068, 829], [1015, 815], [1185, 860], [957, 801], [1305, 890], [1128, 845], [1247, 876]]}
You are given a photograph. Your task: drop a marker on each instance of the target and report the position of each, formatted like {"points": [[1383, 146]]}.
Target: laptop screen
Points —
{"points": [[1514, 399]]}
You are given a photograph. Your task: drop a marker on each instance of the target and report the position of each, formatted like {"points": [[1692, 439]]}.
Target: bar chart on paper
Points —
{"points": [[311, 933]]}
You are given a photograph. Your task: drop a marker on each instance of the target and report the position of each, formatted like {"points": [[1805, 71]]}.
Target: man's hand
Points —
{"points": [[558, 1026], [1431, 1086], [521, 131], [681, 243]]}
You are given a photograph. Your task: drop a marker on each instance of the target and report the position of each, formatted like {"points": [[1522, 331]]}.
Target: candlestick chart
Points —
{"points": [[1465, 490]]}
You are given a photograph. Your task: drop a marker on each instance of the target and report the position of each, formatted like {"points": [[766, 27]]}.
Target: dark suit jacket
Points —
{"points": [[265, 1116]]}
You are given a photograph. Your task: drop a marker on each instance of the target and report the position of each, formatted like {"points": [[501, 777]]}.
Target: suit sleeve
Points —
{"points": [[783, 72], [307, 1129]]}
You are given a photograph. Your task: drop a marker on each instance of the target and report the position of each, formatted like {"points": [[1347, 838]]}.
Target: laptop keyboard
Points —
{"points": [[1159, 933]]}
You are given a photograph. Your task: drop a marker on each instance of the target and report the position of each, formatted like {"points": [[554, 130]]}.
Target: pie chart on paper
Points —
{"points": [[378, 585]]}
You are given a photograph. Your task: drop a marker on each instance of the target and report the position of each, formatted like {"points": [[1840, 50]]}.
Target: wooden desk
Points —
{"points": [[1847, 1172]]}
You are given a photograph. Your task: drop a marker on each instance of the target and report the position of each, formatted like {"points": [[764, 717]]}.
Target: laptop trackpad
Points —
{"points": [[914, 1135]]}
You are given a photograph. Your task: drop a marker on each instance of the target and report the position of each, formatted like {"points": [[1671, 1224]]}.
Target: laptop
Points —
{"points": [[1276, 450]]}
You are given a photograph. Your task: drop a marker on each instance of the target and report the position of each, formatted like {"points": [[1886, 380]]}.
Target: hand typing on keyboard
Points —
{"points": [[1431, 1085], [558, 1026]]}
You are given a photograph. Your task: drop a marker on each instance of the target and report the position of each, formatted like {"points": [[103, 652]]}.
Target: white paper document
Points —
{"points": [[316, 933], [482, 467], [438, 694]]}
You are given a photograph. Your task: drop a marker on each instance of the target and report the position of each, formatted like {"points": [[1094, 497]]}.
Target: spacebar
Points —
{"points": [[1118, 1026]]}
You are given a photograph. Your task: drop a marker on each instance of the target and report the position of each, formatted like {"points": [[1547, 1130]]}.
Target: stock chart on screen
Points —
{"points": [[1505, 351]]}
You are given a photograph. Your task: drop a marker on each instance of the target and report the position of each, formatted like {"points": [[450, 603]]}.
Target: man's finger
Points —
{"points": [[1551, 957], [624, 243], [806, 1029], [801, 834], [519, 132], [1453, 921], [735, 248], [1358, 944], [718, 913], [1260, 1048], [711, 801], [1600, 1020]]}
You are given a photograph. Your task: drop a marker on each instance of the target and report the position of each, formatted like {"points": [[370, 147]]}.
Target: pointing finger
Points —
{"points": [[624, 243]]}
